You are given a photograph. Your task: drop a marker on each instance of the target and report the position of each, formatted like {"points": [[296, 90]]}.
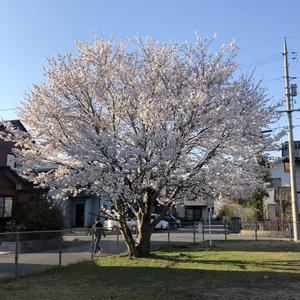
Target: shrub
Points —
{"points": [[40, 215], [230, 210]]}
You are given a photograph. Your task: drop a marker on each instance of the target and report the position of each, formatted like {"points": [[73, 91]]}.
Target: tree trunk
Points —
{"points": [[143, 239], [129, 240], [141, 246]]}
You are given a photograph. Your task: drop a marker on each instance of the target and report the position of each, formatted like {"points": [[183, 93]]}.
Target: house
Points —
{"points": [[14, 190], [194, 210], [81, 211], [278, 204]]}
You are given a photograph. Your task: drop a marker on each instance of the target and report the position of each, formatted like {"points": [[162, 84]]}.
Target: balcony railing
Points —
{"points": [[285, 153]]}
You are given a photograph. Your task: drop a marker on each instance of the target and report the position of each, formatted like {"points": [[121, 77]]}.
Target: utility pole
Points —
{"points": [[289, 110]]}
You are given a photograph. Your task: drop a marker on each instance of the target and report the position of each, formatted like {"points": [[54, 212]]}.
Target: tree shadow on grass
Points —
{"points": [[276, 265], [187, 283], [245, 246], [90, 280], [9, 269]]}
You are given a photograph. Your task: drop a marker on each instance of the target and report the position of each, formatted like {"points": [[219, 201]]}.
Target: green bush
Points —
{"points": [[257, 202], [40, 215]]}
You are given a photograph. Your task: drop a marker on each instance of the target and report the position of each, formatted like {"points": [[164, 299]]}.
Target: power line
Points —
{"points": [[274, 79], [7, 109], [260, 62], [257, 60], [268, 42], [9, 93], [261, 43]]}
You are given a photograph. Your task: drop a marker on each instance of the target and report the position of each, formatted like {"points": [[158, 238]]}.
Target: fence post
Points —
{"points": [[117, 245], [169, 233], [209, 227], [203, 230], [256, 231], [225, 230], [92, 246], [17, 253], [290, 231], [60, 248], [194, 233]]}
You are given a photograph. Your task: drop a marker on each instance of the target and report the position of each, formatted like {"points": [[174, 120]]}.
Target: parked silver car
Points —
{"points": [[114, 225], [161, 224]]}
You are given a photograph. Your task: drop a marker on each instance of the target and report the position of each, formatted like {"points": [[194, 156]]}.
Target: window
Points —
{"points": [[275, 182], [6, 207], [11, 161], [193, 213], [189, 213]]}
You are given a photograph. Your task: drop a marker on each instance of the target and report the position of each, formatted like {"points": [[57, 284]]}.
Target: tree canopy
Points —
{"points": [[144, 122]]}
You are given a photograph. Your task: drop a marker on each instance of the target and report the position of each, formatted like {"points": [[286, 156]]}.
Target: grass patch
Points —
{"points": [[227, 270]]}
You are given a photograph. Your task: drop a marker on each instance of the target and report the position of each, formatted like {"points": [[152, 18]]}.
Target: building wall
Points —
{"points": [[19, 197], [7, 186], [5, 148], [196, 202], [277, 171], [91, 210], [297, 163], [199, 204], [180, 211]]}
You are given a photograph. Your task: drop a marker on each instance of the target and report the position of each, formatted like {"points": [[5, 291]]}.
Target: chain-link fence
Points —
{"points": [[8, 254], [195, 232], [24, 252], [236, 230]]}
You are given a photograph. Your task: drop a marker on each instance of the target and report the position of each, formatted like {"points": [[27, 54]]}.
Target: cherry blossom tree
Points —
{"points": [[145, 123]]}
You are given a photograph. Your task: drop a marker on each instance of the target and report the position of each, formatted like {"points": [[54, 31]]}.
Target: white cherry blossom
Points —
{"points": [[144, 122]]}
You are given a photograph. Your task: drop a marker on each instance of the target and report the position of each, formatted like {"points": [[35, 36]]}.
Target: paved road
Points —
{"points": [[79, 251], [76, 248]]}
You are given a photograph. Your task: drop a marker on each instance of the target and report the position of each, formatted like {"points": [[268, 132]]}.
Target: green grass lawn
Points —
{"points": [[227, 270]]}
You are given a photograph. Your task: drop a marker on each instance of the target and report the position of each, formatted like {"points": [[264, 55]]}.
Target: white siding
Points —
{"points": [[271, 197], [277, 171]]}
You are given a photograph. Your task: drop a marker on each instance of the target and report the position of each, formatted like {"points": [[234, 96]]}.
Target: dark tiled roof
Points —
{"points": [[16, 123], [12, 175]]}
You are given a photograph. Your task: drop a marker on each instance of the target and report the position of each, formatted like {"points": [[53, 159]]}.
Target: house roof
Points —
{"points": [[16, 123], [24, 185]]}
